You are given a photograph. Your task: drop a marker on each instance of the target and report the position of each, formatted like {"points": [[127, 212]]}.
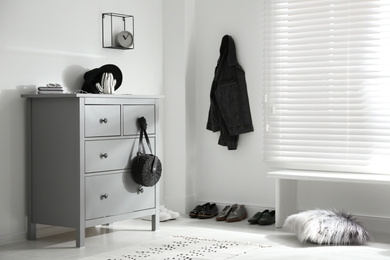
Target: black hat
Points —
{"points": [[95, 76]]}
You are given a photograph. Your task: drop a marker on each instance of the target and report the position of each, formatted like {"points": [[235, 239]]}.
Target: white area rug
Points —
{"points": [[181, 248]]}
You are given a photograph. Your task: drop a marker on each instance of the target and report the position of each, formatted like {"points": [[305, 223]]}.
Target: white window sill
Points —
{"points": [[330, 176]]}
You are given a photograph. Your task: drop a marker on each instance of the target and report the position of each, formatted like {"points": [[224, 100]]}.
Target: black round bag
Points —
{"points": [[146, 169]]}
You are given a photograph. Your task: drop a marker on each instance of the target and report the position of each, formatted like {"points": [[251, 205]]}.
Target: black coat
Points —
{"points": [[229, 109]]}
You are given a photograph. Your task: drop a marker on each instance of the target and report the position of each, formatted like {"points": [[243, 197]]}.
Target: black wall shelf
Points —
{"points": [[112, 24]]}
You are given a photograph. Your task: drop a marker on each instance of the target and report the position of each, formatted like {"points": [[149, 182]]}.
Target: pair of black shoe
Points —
{"points": [[207, 210], [263, 218]]}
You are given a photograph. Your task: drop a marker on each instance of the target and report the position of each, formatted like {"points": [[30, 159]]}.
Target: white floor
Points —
{"points": [[283, 245]]}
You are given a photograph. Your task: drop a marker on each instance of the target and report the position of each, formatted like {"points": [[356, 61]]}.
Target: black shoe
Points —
{"points": [[256, 217], [208, 211], [195, 212], [267, 218]]}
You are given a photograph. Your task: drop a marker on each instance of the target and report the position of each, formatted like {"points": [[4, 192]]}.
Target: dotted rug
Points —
{"points": [[181, 248]]}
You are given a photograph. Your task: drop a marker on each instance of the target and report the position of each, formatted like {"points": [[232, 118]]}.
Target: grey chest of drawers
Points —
{"points": [[79, 151]]}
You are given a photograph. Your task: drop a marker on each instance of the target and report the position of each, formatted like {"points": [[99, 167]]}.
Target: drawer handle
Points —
{"points": [[104, 155], [104, 120], [104, 196]]}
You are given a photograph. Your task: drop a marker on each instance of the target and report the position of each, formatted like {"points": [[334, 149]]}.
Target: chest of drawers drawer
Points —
{"points": [[106, 155], [113, 194], [131, 114], [109, 155], [102, 120]]}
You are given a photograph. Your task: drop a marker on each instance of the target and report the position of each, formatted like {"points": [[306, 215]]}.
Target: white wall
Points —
{"points": [[179, 138], [228, 177], [197, 169], [44, 41], [225, 176]]}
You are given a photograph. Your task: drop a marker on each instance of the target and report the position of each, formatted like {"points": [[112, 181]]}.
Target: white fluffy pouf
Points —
{"points": [[329, 227]]}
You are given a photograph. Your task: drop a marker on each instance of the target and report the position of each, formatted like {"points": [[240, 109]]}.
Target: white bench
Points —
{"points": [[286, 187]]}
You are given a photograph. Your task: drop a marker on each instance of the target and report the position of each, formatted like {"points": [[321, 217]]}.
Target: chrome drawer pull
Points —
{"points": [[104, 120], [104, 196], [105, 155]]}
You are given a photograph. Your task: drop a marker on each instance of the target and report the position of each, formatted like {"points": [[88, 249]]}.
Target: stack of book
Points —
{"points": [[51, 89]]}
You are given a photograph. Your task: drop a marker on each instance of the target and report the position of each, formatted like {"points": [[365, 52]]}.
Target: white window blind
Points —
{"points": [[328, 85]]}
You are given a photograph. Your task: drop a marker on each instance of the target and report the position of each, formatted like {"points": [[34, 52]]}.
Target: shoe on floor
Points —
{"points": [[224, 213], [268, 218], [165, 214], [255, 218], [195, 212], [163, 217], [238, 213], [173, 214], [208, 211]]}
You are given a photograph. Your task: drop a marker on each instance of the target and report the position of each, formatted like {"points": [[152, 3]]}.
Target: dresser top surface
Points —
{"points": [[72, 95]]}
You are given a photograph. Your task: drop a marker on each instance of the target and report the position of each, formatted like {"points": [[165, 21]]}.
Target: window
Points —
{"points": [[328, 85]]}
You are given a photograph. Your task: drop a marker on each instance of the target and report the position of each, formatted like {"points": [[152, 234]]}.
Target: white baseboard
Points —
{"points": [[42, 231], [12, 238], [374, 224], [251, 209]]}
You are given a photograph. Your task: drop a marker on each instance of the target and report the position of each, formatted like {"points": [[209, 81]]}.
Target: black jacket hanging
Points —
{"points": [[229, 108]]}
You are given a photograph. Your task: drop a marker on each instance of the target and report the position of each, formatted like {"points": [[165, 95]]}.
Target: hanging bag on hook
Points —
{"points": [[146, 168]]}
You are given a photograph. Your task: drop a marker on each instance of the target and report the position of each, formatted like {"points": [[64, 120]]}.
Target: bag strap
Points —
{"points": [[143, 125]]}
